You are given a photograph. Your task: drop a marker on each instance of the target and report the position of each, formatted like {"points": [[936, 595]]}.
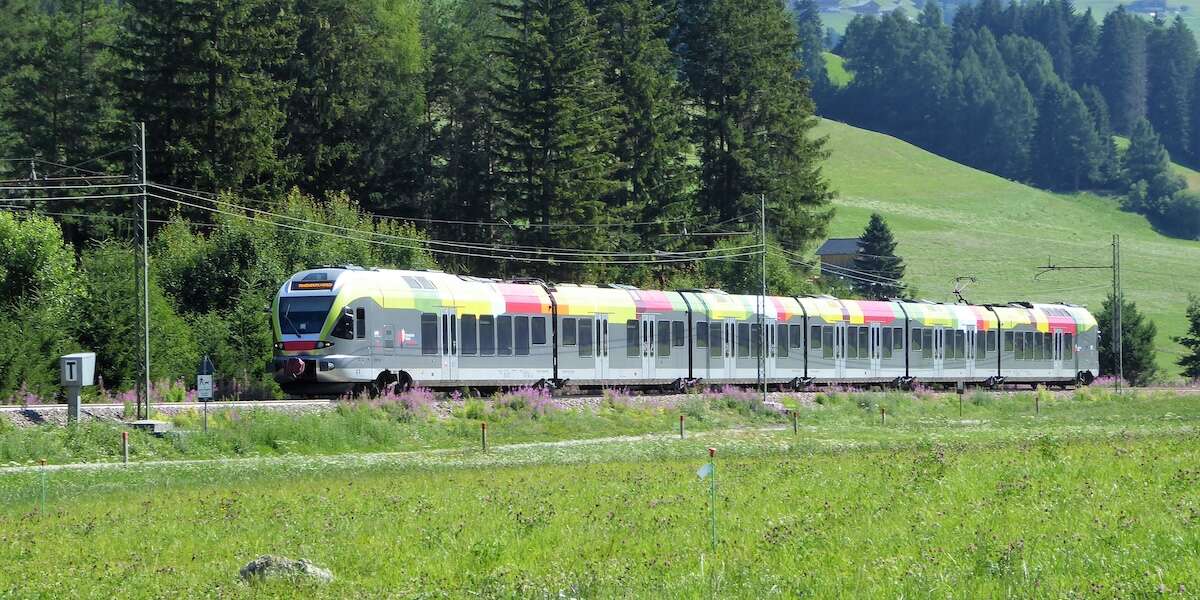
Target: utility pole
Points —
{"points": [[763, 336], [1118, 300], [139, 165]]}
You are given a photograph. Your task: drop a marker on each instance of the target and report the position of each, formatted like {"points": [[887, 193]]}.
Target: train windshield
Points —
{"points": [[302, 315]]}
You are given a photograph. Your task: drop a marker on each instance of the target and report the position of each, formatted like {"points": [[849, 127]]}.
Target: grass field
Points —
{"points": [[951, 220], [835, 67], [1095, 496]]}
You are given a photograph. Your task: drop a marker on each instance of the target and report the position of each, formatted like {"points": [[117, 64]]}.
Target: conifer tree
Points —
{"points": [[1085, 40], [1120, 68], [877, 257], [652, 141], [809, 32], [1108, 165], [1146, 172], [1172, 59], [204, 77], [1137, 342], [557, 125], [1066, 150], [755, 117], [1190, 361]]}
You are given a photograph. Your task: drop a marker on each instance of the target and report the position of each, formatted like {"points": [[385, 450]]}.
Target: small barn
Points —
{"points": [[837, 252]]}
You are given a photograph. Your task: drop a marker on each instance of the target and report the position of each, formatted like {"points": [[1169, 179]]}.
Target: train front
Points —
{"points": [[314, 330]]}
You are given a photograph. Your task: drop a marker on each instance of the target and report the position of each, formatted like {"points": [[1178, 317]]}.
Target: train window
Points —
{"points": [[797, 336], [633, 348], [429, 333], [916, 339], [664, 338], [678, 335], [568, 327], [781, 340], [360, 323], [539, 330], [1033, 345], [991, 341], [585, 338], [504, 337], [827, 342], [960, 344], [897, 338], [470, 341], [887, 342], [864, 346], [487, 335], [445, 333], [1008, 341], [1019, 346], [980, 345], [1048, 345], [927, 344], [743, 340], [521, 329], [756, 338], [814, 338], [714, 340], [1068, 346], [701, 334], [851, 342]]}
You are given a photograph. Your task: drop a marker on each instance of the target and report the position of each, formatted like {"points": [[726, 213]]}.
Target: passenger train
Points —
{"points": [[349, 329]]}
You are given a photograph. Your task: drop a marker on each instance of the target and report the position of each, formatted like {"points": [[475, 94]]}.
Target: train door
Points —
{"points": [[839, 350], [768, 340], [969, 351], [876, 349], [730, 348], [647, 322], [601, 346], [449, 345], [1058, 352], [939, 350]]}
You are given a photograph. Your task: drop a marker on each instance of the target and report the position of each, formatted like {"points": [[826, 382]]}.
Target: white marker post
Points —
{"points": [[710, 470], [204, 387]]}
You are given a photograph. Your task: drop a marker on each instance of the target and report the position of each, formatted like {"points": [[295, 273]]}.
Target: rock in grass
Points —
{"points": [[270, 566]]}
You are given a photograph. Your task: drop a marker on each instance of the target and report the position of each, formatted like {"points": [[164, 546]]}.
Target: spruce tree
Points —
{"points": [[1108, 165], [557, 126], [877, 261], [1146, 172], [1190, 360], [1137, 346], [809, 31], [1066, 150], [1085, 41], [204, 77], [652, 140], [754, 118], [1172, 58], [1120, 68]]}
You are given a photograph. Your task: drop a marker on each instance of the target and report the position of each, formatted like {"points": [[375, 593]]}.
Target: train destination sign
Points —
{"points": [[311, 285]]}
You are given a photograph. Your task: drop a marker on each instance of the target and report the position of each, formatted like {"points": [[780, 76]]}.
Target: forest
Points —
{"points": [[628, 141], [1036, 92]]}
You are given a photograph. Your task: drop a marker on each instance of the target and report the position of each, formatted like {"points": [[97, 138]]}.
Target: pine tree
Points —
{"points": [[557, 126], [877, 256], [1120, 68], [755, 118], [1173, 59], [1137, 346], [1190, 361], [203, 76], [1067, 151], [1108, 165], [1085, 41]]}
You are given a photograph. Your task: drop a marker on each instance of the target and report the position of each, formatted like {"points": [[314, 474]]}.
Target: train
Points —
{"points": [[343, 330]]}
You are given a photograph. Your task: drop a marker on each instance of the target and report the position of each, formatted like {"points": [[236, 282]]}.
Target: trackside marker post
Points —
{"points": [[483, 434], [681, 427], [795, 426], [125, 446], [710, 470], [43, 463]]}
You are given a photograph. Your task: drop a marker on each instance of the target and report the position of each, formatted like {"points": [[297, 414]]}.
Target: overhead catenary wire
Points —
{"points": [[665, 259], [573, 252]]}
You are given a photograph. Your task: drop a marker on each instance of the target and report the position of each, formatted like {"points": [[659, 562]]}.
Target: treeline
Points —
{"points": [[1035, 91], [528, 114]]}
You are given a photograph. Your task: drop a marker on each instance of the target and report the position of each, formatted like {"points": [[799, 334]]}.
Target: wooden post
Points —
{"points": [[483, 434], [125, 446], [795, 426], [681, 427], [882, 415]]}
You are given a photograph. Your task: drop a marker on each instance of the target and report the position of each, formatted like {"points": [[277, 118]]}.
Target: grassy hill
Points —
{"points": [[951, 220]]}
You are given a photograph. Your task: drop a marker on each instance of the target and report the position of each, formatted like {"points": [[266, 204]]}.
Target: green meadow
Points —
{"points": [[1088, 494], [951, 220]]}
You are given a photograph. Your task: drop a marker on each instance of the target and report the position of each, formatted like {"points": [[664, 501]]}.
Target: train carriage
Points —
{"points": [[342, 329]]}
